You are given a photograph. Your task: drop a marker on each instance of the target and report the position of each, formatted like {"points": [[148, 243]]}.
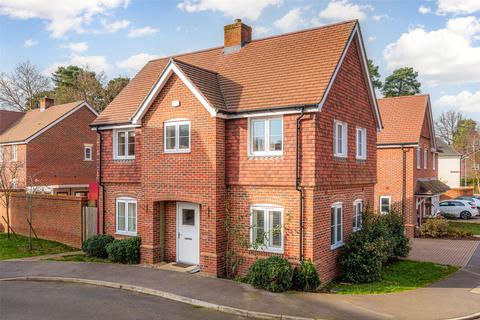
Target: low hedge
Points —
{"points": [[125, 250], [273, 274], [305, 277], [434, 228], [96, 246]]}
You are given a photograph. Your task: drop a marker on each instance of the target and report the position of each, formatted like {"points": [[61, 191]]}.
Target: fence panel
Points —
{"points": [[89, 222]]}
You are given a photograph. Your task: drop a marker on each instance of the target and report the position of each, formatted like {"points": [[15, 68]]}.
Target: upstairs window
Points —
{"points": [[177, 136], [124, 144], [87, 152], [385, 204], [14, 153], [266, 136], [340, 139], [419, 158], [361, 143], [425, 158]]}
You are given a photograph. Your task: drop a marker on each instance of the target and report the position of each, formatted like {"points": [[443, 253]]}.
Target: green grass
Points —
{"points": [[81, 258], [399, 276], [17, 247], [473, 228]]}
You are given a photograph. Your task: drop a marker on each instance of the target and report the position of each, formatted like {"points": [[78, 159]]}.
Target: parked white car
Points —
{"points": [[471, 199], [459, 208]]}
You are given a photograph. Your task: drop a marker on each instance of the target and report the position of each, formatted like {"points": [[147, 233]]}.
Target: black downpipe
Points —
{"points": [[101, 185], [404, 179], [297, 181]]}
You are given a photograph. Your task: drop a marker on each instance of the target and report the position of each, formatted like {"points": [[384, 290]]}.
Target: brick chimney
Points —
{"points": [[236, 36], [46, 103]]}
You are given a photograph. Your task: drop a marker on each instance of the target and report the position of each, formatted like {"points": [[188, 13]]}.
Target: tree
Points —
{"points": [[447, 124], [374, 75], [113, 88], [9, 172], [465, 136], [65, 76], [402, 82], [19, 87]]}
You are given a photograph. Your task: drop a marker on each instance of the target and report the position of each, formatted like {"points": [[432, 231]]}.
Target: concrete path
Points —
{"points": [[452, 252], [450, 298], [48, 256]]}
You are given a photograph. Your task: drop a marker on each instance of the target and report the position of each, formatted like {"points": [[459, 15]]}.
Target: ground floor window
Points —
{"points": [[266, 228], [336, 234], [126, 214], [357, 214], [385, 204]]}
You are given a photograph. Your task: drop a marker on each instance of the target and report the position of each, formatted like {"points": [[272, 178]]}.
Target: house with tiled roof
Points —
{"points": [[51, 148], [449, 164], [274, 137], [407, 162]]}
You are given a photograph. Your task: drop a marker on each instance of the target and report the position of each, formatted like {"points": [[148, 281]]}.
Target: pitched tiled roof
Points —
{"points": [[35, 120], [286, 70], [445, 150], [402, 118], [8, 117]]}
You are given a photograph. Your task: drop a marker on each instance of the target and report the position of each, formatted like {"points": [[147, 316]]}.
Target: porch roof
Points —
{"points": [[430, 187]]}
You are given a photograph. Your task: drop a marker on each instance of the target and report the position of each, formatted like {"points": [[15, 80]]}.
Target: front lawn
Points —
{"points": [[471, 228], [17, 247], [399, 276], [80, 258]]}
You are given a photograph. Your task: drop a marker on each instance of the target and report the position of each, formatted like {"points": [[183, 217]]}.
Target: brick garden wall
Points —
{"points": [[56, 218]]}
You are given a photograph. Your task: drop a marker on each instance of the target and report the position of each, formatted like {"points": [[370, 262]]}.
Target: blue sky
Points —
{"points": [[439, 38]]}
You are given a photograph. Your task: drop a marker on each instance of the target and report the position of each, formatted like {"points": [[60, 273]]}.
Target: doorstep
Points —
{"points": [[174, 266]]}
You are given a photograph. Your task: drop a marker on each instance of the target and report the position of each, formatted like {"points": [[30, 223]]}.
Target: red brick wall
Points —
{"points": [[57, 156], [56, 218]]}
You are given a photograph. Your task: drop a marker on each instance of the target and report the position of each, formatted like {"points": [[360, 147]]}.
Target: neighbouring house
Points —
{"points": [[51, 148], [449, 162], [407, 165], [8, 117], [275, 138], [470, 166]]}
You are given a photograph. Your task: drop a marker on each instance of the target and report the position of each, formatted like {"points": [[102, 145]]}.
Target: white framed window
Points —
{"points": [[361, 143], [124, 144], [434, 161], [266, 228], [357, 214], [425, 158], [87, 152], [14, 153], [126, 216], [1, 153], [385, 204], [265, 136], [419, 158], [336, 230], [176, 136], [340, 139]]}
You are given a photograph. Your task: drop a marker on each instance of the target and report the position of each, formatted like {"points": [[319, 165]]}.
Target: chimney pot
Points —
{"points": [[236, 36], [46, 103]]}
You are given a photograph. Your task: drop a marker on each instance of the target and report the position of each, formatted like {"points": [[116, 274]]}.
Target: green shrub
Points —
{"points": [[434, 228], [96, 246], [125, 250], [363, 255], [400, 244], [458, 233], [272, 274], [305, 277]]}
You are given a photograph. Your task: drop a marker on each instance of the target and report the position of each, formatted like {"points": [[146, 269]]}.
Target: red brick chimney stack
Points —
{"points": [[46, 103], [236, 36]]}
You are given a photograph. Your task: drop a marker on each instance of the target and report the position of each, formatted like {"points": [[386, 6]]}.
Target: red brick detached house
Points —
{"points": [[407, 160], [198, 137], [52, 147]]}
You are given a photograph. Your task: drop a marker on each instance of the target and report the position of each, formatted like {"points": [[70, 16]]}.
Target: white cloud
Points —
{"points": [[458, 6], [372, 38], [424, 9], [290, 21], [30, 43], [113, 26], [75, 46], [136, 61], [340, 10], [249, 9], [380, 17], [465, 101], [142, 32], [446, 55], [260, 31], [94, 63], [61, 16]]}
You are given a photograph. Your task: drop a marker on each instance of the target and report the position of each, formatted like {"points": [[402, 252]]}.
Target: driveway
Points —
{"points": [[57, 301], [452, 252]]}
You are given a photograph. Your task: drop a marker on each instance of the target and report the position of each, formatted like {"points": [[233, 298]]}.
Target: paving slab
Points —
{"points": [[443, 251]]}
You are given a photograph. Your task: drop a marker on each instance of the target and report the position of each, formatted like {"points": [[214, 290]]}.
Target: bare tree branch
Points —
{"points": [[447, 124]]}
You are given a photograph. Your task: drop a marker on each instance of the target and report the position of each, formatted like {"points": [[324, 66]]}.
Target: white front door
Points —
{"points": [[188, 232]]}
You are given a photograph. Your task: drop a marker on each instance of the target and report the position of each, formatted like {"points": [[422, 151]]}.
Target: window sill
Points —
{"points": [[176, 151], [265, 156], [336, 246], [87, 159], [124, 233], [357, 229], [267, 250], [339, 156], [123, 158], [361, 158]]}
